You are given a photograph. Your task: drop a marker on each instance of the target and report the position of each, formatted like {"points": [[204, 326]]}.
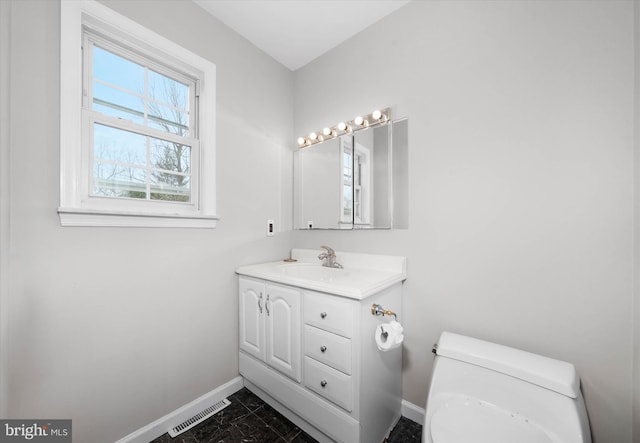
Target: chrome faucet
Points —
{"points": [[329, 258]]}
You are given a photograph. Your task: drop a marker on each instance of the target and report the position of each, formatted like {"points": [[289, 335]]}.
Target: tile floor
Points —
{"points": [[248, 419]]}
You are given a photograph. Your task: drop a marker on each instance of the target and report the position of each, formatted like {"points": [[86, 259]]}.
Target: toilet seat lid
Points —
{"points": [[464, 420]]}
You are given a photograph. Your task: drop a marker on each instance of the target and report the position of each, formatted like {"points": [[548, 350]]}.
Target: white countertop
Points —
{"points": [[362, 275]]}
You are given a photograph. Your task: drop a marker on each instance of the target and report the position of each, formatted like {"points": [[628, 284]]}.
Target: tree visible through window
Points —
{"points": [[144, 150]]}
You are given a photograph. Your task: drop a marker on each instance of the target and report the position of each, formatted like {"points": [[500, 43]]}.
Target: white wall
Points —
{"points": [[521, 197], [520, 179], [114, 328], [636, 322], [5, 56]]}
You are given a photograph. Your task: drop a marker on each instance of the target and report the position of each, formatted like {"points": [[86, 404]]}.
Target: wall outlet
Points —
{"points": [[309, 224], [270, 228]]}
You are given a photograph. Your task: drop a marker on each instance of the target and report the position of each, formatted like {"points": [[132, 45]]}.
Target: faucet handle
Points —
{"points": [[329, 250], [329, 257]]}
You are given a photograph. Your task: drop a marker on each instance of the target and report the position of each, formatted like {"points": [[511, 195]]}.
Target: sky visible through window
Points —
{"points": [[129, 161]]}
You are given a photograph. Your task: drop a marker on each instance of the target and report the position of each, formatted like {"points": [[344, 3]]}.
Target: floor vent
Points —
{"points": [[198, 418]]}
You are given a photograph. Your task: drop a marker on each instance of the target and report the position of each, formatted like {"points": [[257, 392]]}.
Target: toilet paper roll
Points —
{"points": [[389, 336]]}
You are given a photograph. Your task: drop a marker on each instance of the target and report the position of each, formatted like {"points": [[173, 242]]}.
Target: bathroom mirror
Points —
{"points": [[355, 181]]}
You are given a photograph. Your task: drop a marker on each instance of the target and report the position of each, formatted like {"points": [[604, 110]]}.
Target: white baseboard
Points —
{"points": [[163, 424], [413, 412]]}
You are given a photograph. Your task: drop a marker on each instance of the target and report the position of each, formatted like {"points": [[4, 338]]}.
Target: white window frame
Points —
{"points": [[77, 206]]}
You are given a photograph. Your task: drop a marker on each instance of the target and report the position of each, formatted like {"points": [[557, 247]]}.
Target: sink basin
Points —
{"points": [[363, 274], [309, 271]]}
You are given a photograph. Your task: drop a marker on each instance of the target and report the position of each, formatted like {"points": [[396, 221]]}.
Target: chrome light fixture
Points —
{"points": [[375, 118]]}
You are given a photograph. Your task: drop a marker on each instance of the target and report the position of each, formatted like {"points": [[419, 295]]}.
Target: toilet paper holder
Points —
{"points": [[377, 310]]}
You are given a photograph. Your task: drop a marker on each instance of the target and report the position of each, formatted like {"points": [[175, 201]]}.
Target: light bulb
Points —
{"points": [[342, 126], [358, 120], [328, 131], [376, 114], [313, 136], [301, 141]]}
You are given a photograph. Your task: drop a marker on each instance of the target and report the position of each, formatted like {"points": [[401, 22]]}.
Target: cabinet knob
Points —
{"points": [[323, 383], [323, 314], [323, 348]]}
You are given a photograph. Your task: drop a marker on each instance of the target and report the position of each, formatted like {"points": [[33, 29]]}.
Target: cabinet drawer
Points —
{"points": [[329, 383], [328, 348], [330, 313]]}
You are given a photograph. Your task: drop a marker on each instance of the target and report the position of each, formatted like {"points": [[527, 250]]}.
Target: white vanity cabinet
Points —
{"points": [[328, 347], [346, 390], [270, 325]]}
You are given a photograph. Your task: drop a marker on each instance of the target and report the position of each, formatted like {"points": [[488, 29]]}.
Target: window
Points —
{"points": [[141, 126], [140, 150], [346, 208], [356, 186]]}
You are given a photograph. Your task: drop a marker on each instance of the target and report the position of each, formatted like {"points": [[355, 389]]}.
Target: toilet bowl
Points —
{"points": [[483, 392]]}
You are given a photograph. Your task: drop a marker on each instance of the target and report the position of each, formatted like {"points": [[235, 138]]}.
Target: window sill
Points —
{"points": [[84, 217]]}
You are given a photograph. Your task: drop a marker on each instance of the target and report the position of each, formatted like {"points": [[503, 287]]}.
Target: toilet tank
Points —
{"points": [[527, 387]]}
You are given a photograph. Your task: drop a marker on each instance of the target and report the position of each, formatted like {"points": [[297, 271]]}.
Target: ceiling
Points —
{"points": [[294, 32]]}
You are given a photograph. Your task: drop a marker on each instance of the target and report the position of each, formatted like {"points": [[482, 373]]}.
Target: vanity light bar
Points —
{"points": [[377, 117]]}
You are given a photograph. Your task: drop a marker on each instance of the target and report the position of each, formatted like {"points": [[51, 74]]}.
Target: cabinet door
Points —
{"points": [[282, 309], [252, 300]]}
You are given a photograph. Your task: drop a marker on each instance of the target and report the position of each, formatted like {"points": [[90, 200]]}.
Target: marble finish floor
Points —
{"points": [[248, 419]]}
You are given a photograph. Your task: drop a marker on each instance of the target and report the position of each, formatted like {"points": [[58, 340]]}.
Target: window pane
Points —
{"points": [[113, 180], [170, 187], [169, 104], [117, 71], [171, 157], [346, 200], [168, 91], [131, 91], [120, 163], [124, 161], [170, 179], [117, 145]]}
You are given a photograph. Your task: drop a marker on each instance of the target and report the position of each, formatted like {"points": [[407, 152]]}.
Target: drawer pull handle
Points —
{"points": [[323, 314], [323, 349], [323, 383]]}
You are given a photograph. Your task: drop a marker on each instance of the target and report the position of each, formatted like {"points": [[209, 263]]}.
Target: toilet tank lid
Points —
{"points": [[557, 375]]}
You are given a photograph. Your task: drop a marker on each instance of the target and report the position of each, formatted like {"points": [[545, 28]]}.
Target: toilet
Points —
{"points": [[483, 392]]}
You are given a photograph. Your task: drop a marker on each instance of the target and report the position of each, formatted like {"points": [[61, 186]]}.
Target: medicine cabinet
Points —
{"points": [[354, 181]]}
